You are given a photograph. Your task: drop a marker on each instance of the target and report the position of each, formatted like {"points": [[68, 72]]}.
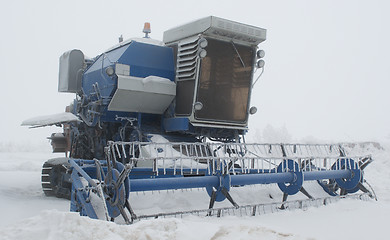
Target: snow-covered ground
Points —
{"points": [[28, 214]]}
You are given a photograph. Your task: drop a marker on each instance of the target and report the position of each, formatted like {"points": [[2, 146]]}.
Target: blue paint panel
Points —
{"points": [[96, 73], [176, 124], [144, 60]]}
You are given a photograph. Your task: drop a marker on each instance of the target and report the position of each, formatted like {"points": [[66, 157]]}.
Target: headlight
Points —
{"points": [[110, 71]]}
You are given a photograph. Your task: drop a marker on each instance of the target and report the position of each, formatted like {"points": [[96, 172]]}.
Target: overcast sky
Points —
{"points": [[327, 62]]}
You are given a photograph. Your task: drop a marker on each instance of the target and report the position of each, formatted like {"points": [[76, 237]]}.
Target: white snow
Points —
{"points": [[150, 41], [53, 119], [28, 214], [169, 154]]}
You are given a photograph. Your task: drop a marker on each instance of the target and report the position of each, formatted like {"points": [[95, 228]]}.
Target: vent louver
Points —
{"points": [[187, 56]]}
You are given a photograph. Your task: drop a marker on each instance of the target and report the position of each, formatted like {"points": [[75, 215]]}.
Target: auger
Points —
{"points": [[151, 116]]}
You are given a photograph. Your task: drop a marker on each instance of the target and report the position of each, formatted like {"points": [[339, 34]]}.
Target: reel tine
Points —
{"points": [[130, 209], [124, 214], [99, 171], [363, 188], [343, 192], [212, 201], [226, 193], [303, 190], [285, 195], [372, 192]]}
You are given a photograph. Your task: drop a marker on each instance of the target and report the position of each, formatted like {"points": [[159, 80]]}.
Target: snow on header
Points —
{"points": [[48, 120]]}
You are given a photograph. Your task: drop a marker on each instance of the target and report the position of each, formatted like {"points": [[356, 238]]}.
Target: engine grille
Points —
{"points": [[186, 72]]}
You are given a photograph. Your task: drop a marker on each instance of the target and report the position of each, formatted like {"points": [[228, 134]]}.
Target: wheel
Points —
{"points": [[56, 179]]}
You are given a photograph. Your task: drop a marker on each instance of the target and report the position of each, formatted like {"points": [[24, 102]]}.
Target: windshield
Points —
{"points": [[224, 82]]}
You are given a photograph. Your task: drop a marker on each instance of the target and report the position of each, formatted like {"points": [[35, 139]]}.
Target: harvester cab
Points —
{"points": [[151, 115], [215, 62]]}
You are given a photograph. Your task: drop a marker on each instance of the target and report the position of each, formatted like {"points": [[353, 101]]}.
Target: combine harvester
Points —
{"points": [[151, 115]]}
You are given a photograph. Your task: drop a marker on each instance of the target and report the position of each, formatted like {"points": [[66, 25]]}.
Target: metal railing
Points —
{"points": [[179, 158]]}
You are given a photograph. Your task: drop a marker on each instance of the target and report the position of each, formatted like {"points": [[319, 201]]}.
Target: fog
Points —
{"points": [[326, 74]]}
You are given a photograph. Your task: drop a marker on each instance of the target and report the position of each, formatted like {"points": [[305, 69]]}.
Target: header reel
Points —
{"points": [[215, 167]]}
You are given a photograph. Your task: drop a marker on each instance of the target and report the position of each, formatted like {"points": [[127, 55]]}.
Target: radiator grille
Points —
{"points": [[187, 59]]}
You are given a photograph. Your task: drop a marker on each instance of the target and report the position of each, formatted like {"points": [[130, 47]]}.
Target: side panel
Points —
{"points": [[145, 95]]}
